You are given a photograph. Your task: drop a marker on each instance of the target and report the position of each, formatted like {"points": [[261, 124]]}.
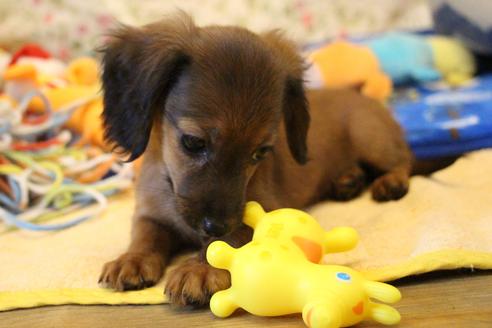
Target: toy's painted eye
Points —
{"points": [[343, 276]]}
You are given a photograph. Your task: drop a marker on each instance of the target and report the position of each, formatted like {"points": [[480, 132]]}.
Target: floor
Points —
{"points": [[459, 299]]}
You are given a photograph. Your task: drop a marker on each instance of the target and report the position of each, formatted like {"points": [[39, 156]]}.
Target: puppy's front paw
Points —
{"points": [[193, 283], [132, 271], [390, 186]]}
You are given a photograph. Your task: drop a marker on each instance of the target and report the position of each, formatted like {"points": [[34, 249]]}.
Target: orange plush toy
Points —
{"points": [[341, 64]]}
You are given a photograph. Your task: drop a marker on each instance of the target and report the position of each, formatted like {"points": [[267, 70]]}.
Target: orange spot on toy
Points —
{"points": [[359, 308], [312, 250]]}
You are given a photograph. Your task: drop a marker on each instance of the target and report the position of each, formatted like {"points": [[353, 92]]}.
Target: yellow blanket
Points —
{"points": [[444, 222]]}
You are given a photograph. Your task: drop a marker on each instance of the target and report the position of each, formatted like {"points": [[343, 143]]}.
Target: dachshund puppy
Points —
{"points": [[220, 116]]}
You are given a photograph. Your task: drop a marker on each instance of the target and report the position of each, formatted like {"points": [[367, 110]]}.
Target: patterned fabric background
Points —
{"points": [[70, 28]]}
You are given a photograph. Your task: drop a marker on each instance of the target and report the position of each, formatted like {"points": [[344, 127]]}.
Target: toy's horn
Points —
{"points": [[252, 214], [382, 292]]}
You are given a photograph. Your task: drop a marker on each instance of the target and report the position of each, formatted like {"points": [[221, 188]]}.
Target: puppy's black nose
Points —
{"points": [[213, 227]]}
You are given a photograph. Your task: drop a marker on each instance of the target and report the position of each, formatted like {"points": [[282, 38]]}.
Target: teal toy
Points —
{"points": [[405, 57]]}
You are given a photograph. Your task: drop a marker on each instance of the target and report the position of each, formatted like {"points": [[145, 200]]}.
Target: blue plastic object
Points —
{"points": [[447, 122]]}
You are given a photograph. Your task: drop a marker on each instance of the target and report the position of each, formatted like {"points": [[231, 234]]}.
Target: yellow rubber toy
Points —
{"points": [[299, 230], [272, 276]]}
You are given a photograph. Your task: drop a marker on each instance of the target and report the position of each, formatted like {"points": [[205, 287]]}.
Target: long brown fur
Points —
{"points": [[240, 93]]}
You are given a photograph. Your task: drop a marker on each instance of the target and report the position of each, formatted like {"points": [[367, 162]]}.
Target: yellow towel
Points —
{"points": [[445, 222]]}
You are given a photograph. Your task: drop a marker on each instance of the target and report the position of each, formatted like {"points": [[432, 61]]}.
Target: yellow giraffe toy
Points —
{"points": [[274, 275]]}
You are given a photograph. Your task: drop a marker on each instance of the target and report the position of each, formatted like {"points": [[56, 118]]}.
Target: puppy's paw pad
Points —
{"points": [[389, 187], [132, 271], [194, 282]]}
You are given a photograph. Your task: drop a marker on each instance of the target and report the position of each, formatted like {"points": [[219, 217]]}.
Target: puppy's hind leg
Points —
{"points": [[391, 186], [349, 184], [378, 141]]}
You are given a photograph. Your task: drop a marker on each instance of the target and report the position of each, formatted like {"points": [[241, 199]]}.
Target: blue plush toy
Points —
{"points": [[405, 57]]}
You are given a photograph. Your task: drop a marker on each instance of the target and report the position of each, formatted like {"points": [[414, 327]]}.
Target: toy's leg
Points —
{"points": [[340, 239], [220, 254], [384, 314], [382, 292], [221, 303], [321, 315]]}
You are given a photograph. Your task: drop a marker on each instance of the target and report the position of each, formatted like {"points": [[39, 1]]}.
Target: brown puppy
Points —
{"points": [[221, 117]]}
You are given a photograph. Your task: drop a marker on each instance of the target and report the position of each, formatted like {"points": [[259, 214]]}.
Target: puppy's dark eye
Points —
{"points": [[260, 154], [192, 144]]}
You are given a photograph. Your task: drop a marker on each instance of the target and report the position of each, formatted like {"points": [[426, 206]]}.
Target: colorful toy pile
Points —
{"points": [[49, 162]]}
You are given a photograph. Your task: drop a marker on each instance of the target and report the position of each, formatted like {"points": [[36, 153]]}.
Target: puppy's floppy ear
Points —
{"points": [[140, 67], [295, 105]]}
